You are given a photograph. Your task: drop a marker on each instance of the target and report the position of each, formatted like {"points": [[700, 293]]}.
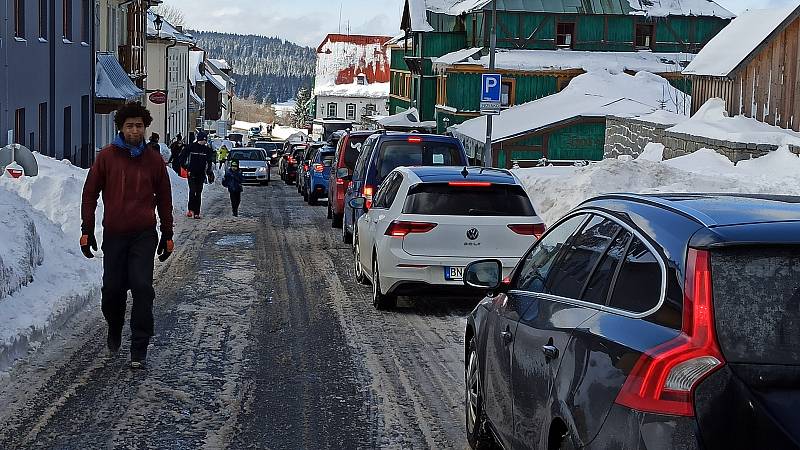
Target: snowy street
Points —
{"points": [[258, 343]]}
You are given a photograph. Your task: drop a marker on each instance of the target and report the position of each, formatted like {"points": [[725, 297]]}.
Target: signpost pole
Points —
{"points": [[487, 151]]}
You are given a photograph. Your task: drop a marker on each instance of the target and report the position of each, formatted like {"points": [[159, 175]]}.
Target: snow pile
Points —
{"points": [[736, 41], [664, 8], [289, 133], [652, 152], [20, 249], [711, 121], [372, 90], [555, 191]]}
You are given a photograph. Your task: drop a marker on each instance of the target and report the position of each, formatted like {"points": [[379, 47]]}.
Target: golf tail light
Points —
{"points": [[401, 228], [663, 379], [319, 168], [528, 229]]}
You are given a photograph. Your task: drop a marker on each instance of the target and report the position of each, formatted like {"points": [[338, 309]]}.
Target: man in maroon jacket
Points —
{"points": [[134, 182]]}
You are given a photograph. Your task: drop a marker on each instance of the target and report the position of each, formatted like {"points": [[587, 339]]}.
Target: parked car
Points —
{"points": [[659, 321], [287, 165], [253, 163], [383, 152], [347, 152], [303, 166], [273, 148], [316, 184], [427, 223]]}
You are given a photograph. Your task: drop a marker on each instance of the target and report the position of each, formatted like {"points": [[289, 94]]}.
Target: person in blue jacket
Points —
{"points": [[233, 181]]}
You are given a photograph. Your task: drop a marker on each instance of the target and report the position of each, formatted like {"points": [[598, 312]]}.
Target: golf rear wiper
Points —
{"points": [[483, 212]]}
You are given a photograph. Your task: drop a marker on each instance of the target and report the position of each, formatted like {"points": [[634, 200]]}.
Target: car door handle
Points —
{"points": [[550, 351], [507, 337]]}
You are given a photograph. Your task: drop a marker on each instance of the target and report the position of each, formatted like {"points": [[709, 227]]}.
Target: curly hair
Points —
{"points": [[132, 110]]}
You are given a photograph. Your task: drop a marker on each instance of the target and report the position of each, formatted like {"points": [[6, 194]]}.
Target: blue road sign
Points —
{"points": [[491, 89]]}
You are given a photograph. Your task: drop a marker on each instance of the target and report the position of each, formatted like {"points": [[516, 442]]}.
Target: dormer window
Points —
{"points": [[361, 79]]}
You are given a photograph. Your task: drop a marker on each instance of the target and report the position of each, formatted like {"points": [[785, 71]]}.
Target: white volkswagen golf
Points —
{"points": [[427, 223]]}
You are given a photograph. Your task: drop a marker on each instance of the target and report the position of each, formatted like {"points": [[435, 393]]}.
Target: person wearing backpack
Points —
{"points": [[198, 160], [233, 181]]}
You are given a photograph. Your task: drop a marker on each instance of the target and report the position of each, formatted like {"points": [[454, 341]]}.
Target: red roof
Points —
{"points": [[374, 61], [358, 39]]}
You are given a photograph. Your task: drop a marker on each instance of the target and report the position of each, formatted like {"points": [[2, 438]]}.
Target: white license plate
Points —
{"points": [[454, 273]]}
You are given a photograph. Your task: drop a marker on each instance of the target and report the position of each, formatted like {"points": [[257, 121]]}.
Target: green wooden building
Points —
{"points": [[542, 45]]}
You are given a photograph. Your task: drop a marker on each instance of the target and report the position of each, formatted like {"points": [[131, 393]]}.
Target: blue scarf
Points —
{"points": [[136, 150]]}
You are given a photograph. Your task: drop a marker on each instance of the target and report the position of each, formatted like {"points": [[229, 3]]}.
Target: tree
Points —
{"points": [[171, 14], [301, 115]]}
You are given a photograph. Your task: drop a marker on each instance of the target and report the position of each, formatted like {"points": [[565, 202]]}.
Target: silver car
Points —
{"points": [[253, 163]]}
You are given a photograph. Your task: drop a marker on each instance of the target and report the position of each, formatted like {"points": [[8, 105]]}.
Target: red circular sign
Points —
{"points": [[158, 97]]}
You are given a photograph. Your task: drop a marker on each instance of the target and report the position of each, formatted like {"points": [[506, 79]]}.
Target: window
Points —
{"points": [[388, 191], [351, 111], [644, 36], [68, 133], [361, 163], [445, 200], [43, 19], [86, 21], [507, 92], [67, 19], [537, 263], [581, 256], [19, 19], [565, 34], [332, 109], [371, 109], [19, 126], [638, 285], [602, 278], [402, 153], [361, 80], [42, 129]]}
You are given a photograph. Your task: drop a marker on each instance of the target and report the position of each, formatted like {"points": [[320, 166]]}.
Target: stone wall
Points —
{"points": [[629, 137]]}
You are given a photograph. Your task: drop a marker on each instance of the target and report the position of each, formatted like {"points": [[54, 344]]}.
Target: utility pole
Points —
{"points": [[487, 150]]}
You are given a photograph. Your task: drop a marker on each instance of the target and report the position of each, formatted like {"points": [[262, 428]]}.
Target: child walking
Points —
{"points": [[233, 181]]}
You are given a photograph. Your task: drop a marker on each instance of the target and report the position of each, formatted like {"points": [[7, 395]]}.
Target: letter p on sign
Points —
{"points": [[490, 88]]}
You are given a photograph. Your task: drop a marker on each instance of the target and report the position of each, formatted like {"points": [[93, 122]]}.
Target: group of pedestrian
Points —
{"points": [[134, 182]]}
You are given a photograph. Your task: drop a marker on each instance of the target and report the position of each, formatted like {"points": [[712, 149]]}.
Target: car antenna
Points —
{"points": [[465, 172]]}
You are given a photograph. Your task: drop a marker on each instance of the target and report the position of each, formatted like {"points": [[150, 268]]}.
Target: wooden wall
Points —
{"points": [[767, 89]]}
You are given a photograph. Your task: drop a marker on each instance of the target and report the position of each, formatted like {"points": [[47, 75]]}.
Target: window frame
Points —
{"points": [[605, 308], [332, 106], [19, 19], [66, 20], [512, 94], [572, 34], [651, 35], [20, 127], [43, 19], [347, 114]]}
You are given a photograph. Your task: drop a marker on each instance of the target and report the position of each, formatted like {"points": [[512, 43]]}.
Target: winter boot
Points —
{"points": [[138, 360]]}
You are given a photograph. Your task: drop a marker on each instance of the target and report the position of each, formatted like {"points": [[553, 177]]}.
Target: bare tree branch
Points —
{"points": [[171, 14]]}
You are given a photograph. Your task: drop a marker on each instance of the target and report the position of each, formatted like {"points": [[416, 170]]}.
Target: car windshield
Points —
{"points": [[445, 200], [394, 154], [247, 155]]}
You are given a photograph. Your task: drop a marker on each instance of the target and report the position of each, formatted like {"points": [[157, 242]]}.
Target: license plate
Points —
{"points": [[454, 273]]}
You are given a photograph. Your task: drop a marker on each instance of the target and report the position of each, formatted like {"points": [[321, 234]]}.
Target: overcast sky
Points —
{"points": [[306, 22]]}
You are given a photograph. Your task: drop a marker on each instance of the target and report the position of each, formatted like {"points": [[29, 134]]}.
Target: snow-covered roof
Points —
{"points": [[289, 133], [663, 8], [111, 80], [593, 94], [407, 119], [195, 61], [196, 98], [415, 17], [737, 41], [221, 64], [341, 58], [355, 90], [167, 30], [534, 60], [217, 81]]}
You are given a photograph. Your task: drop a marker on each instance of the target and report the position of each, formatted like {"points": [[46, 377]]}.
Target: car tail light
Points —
{"points": [[339, 182], [528, 229], [368, 190], [415, 139], [290, 160], [470, 183], [663, 379], [401, 228], [319, 168], [305, 167]]}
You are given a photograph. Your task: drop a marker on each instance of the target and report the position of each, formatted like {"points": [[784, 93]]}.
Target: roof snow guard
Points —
{"points": [[111, 81]]}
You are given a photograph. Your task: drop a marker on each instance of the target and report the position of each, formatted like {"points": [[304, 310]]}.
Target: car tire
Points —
{"points": [[361, 278], [347, 238], [380, 301], [478, 436], [336, 221], [312, 199]]}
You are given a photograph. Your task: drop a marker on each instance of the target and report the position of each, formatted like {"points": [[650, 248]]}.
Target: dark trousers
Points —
{"points": [[195, 194], [236, 200], [128, 265]]}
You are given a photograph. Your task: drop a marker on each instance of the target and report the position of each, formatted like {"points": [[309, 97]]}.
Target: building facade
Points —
{"points": [[47, 64]]}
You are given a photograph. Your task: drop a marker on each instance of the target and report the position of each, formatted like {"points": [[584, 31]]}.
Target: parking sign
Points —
{"points": [[491, 91]]}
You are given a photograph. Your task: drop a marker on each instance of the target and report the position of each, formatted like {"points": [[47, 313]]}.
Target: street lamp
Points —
{"points": [[158, 22]]}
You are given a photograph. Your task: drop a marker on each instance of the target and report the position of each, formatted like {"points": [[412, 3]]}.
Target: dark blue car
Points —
{"points": [[318, 174], [382, 153]]}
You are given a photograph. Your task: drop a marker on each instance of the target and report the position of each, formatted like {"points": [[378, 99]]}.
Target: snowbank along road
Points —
{"points": [[263, 341]]}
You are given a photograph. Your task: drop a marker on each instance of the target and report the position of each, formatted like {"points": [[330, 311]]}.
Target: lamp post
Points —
{"points": [[159, 24]]}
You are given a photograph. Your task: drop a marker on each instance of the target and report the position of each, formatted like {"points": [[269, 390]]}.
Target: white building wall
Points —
{"points": [[170, 118], [360, 104]]}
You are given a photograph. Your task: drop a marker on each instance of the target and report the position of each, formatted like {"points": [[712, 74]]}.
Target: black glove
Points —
{"points": [[88, 241], [165, 248]]}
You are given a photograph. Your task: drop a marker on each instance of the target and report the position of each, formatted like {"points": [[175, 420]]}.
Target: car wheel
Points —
{"points": [[312, 199], [357, 269], [477, 434], [380, 301], [337, 221], [347, 238]]}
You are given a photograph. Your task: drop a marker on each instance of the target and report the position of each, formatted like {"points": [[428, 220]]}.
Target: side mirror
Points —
{"points": [[358, 203], [485, 274], [343, 173]]}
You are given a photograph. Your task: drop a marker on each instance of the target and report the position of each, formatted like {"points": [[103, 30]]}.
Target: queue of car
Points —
{"points": [[635, 321]]}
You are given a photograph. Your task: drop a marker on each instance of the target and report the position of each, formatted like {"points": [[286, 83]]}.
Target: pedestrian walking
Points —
{"points": [[154, 139], [223, 155], [233, 181], [199, 162], [176, 149], [134, 184]]}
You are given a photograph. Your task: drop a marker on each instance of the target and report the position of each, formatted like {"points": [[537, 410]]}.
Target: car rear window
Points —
{"points": [[353, 149], [326, 155], [394, 154], [247, 155], [757, 304], [445, 200]]}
